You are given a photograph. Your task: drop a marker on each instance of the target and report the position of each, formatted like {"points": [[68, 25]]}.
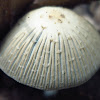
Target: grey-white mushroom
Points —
{"points": [[51, 48]]}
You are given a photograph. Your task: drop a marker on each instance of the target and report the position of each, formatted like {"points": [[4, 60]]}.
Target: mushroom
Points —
{"points": [[51, 48]]}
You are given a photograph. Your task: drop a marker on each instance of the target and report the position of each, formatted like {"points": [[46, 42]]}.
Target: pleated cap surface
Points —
{"points": [[51, 48]]}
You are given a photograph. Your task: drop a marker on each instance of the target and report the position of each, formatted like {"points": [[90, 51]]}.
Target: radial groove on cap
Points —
{"points": [[51, 48]]}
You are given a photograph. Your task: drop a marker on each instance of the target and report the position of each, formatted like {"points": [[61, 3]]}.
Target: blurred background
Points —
{"points": [[10, 12]]}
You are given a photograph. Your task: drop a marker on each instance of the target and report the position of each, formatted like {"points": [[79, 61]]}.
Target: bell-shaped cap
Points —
{"points": [[51, 48]]}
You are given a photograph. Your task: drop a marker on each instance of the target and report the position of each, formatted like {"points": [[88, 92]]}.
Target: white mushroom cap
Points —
{"points": [[51, 48]]}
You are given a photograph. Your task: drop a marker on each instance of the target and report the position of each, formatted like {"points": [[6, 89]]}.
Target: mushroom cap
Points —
{"points": [[51, 48]]}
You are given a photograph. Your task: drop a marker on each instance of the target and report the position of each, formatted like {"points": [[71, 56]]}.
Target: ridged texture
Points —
{"points": [[51, 48]]}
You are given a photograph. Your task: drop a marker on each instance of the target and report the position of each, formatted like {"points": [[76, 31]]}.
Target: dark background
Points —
{"points": [[11, 90]]}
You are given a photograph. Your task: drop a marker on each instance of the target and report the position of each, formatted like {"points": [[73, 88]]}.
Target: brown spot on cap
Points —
{"points": [[59, 20], [43, 27], [50, 16], [59, 33], [62, 15]]}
